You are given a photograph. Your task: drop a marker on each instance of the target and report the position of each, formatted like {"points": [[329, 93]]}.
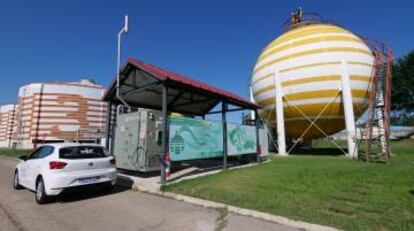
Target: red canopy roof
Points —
{"points": [[163, 74], [141, 86]]}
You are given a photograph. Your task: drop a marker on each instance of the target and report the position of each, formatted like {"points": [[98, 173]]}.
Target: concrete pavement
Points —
{"points": [[121, 210]]}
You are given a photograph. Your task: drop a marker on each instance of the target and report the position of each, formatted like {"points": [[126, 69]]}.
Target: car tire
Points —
{"points": [[40, 194], [16, 181]]}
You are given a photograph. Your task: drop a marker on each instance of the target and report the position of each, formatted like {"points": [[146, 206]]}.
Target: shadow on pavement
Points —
{"points": [[201, 166], [94, 191], [318, 151], [183, 169], [139, 174]]}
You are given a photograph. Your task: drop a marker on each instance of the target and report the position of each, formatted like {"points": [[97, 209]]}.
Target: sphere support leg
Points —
{"points": [[280, 118], [349, 112]]}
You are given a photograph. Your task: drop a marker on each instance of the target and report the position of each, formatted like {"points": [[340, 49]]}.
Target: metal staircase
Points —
{"points": [[378, 124]]}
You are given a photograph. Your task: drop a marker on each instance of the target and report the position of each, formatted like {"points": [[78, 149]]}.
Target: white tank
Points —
{"points": [[61, 111], [308, 60]]}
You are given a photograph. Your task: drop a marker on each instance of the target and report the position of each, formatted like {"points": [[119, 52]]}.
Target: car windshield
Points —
{"points": [[82, 152]]}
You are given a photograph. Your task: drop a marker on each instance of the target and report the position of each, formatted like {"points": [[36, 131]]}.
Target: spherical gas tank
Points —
{"points": [[309, 61]]}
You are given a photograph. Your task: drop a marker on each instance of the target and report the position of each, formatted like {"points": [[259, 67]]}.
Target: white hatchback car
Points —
{"points": [[52, 168]]}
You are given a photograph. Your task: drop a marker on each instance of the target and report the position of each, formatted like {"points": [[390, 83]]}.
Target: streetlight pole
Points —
{"points": [[118, 66]]}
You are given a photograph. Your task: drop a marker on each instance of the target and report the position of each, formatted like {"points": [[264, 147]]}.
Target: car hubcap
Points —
{"points": [[39, 190]]}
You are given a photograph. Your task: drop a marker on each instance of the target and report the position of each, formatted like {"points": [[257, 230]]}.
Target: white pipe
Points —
{"points": [[349, 112], [280, 118], [118, 66]]}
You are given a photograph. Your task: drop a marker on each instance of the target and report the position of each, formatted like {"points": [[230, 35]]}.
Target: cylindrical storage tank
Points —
{"points": [[308, 62], [61, 111], [7, 124]]}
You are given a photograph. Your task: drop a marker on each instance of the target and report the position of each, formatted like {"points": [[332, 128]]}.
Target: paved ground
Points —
{"points": [[121, 210]]}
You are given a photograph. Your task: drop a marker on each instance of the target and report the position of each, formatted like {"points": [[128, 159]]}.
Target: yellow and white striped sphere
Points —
{"points": [[308, 62]]}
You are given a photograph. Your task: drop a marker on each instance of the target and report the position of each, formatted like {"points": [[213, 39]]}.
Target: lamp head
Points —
{"points": [[126, 23]]}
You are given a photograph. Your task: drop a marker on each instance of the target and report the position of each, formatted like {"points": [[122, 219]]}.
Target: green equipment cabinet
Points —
{"points": [[137, 144]]}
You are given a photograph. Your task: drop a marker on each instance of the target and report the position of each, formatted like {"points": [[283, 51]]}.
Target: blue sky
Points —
{"points": [[213, 41]]}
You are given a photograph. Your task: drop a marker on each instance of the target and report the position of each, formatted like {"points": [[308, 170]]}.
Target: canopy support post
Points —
{"points": [[257, 123], [164, 137], [108, 124], [224, 108]]}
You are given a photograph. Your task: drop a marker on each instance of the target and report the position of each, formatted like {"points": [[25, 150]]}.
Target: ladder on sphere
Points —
{"points": [[379, 102]]}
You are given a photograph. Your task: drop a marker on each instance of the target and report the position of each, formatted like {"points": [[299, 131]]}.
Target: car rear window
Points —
{"points": [[82, 152]]}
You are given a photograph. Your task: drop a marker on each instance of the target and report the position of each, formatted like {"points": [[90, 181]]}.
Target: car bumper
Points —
{"points": [[57, 182]]}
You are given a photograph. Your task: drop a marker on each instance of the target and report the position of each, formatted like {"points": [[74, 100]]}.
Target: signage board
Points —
{"points": [[194, 138]]}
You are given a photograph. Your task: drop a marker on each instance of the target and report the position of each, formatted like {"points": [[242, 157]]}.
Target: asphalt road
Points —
{"points": [[121, 210]]}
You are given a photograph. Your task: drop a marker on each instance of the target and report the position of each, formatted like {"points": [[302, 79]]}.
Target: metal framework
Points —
{"points": [[377, 128], [300, 18]]}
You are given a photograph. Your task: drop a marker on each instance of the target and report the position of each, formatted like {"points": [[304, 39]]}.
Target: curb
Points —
{"points": [[237, 210], [246, 212]]}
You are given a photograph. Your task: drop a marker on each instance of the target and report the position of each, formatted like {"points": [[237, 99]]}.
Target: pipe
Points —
{"points": [[252, 112], [118, 66]]}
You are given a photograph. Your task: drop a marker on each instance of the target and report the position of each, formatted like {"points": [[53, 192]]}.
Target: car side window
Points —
{"points": [[47, 150], [36, 154], [42, 152]]}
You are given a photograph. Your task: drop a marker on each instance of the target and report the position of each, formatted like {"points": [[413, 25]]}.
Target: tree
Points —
{"points": [[402, 96]]}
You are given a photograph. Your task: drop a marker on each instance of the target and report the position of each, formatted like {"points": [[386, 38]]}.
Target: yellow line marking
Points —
{"points": [[312, 95], [320, 39], [309, 65], [311, 80], [361, 63], [265, 89], [307, 30], [334, 109], [313, 51], [263, 77]]}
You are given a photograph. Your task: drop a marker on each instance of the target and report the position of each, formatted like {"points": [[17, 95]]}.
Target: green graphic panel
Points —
{"points": [[194, 139], [241, 139]]}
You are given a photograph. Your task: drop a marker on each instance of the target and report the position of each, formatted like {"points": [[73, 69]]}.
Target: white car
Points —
{"points": [[53, 168]]}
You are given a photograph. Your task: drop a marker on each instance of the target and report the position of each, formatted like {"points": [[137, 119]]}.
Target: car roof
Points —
{"points": [[64, 145]]}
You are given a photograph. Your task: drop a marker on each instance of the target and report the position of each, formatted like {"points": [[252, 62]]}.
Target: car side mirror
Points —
{"points": [[24, 157]]}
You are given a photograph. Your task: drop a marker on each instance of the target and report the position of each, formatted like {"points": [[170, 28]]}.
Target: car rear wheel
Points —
{"points": [[41, 197], [16, 183]]}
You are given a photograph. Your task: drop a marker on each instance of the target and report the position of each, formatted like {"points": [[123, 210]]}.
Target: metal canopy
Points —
{"points": [[141, 86]]}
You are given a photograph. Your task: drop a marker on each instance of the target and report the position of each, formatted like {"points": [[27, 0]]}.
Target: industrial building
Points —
{"points": [[7, 124], [59, 111]]}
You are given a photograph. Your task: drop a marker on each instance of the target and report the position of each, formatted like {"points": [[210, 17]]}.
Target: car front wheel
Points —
{"points": [[16, 182], [41, 197]]}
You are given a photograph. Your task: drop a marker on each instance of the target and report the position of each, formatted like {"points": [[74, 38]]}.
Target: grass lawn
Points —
{"points": [[328, 190], [13, 153]]}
